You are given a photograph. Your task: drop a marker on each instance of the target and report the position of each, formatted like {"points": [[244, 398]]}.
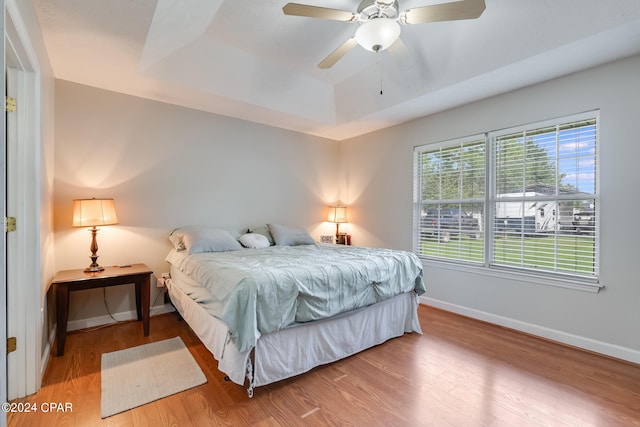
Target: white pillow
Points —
{"points": [[264, 230], [254, 240], [290, 236]]}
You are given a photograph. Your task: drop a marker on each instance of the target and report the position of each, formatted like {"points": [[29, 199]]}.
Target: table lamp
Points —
{"points": [[92, 213], [338, 215]]}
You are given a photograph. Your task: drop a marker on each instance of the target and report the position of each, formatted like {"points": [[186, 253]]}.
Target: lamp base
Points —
{"points": [[94, 267]]}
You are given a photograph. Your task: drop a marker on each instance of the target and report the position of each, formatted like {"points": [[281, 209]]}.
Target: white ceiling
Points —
{"points": [[246, 59]]}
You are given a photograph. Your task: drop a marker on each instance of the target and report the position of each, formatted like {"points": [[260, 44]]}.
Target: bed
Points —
{"points": [[272, 304]]}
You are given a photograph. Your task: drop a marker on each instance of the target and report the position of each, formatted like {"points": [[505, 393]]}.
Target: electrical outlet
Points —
{"points": [[161, 282]]}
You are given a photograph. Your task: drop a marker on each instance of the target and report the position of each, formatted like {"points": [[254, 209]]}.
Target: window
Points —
{"points": [[451, 190], [532, 188]]}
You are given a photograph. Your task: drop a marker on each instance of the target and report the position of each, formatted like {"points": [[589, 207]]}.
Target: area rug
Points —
{"points": [[139, 375]]}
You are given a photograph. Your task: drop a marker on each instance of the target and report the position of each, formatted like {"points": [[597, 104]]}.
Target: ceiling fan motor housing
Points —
{"points": [[371, 9]]}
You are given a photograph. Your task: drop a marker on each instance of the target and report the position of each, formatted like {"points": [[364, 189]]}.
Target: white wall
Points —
{"points": [[168, 166], [379, 188]]}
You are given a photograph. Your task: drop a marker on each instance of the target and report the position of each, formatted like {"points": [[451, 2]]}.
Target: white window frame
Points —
{"points": [[587, 282]]}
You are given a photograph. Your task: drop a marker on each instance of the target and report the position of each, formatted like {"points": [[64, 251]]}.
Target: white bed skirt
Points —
{"points": [[295, 350]]}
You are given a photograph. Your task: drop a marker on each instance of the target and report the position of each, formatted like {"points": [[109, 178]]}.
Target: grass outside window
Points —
{"points": [[564, 254]]}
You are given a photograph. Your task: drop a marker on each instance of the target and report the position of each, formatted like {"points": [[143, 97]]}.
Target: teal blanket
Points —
{"points": [[256, 291]]}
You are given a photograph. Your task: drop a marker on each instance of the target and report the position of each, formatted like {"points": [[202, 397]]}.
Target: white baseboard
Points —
{"points": [[589, 344], [74, 325], [46, 352]]}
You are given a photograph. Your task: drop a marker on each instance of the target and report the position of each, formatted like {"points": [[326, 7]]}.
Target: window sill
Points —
{"points": [[504, 273]]}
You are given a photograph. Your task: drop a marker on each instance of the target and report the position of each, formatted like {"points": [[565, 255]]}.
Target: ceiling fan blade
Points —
{"points": [[465, 9], [297, 9], [337, 54]]}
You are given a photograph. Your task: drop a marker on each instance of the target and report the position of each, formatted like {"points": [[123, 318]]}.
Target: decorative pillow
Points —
{"points": [[265, 232], [254, 240], [175, 237], [290, 236], [196, 239]]}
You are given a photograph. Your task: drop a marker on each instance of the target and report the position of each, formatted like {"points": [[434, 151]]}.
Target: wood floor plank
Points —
{"points": [[460, 372]]}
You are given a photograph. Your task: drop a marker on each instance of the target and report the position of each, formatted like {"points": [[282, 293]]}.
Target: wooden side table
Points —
{"points": [[75, 280]]}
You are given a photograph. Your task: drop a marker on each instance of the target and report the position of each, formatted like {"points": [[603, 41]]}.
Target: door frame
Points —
{"points": [[3, 282], [24, 296]]}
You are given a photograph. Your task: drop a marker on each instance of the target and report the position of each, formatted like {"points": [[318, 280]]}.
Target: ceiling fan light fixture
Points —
{"points": [[377, 34]]}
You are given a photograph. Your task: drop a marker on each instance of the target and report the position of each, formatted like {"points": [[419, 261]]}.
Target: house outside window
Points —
{"points": [[524, 199]]}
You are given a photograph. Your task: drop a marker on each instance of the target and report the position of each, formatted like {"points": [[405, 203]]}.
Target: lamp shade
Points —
{"points": [[337, 214], [377, 34], [94, 212]]}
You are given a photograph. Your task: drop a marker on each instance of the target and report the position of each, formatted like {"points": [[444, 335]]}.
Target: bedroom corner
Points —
{"points": [[166, 167]]}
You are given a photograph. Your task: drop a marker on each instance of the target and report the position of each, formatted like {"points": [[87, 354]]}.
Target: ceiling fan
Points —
{"points": [[380, 22]]}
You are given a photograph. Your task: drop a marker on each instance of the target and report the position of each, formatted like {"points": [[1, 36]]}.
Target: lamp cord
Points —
{"points": [[104, 299]]}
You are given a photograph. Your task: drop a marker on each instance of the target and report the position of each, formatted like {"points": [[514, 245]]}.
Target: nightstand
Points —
{"points": [[75, 280]]}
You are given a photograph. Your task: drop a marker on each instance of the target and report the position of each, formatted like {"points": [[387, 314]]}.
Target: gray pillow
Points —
{"points": [[203, 239], [290, 236]]}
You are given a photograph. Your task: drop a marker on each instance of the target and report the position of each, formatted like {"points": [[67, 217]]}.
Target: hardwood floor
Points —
{"points": [[461, 372]]}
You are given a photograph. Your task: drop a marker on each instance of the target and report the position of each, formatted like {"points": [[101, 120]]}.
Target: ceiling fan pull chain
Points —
{"points": [[379, 69]]}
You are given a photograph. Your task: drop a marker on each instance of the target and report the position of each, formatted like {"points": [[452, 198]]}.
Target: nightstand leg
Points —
{"points": [[62, 315], [139, 285], [143, 296]]}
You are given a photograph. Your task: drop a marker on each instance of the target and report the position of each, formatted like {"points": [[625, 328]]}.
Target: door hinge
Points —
{"points": [[12, 344], [10, 104], [10, 224]]}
